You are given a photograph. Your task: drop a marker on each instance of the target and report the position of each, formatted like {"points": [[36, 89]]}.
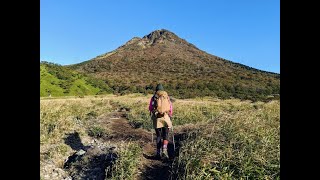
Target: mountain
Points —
{"points": [[57, 80], [184, 70]]}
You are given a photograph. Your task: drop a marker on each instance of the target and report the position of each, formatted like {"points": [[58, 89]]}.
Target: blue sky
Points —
{"points": [[246, 31]]}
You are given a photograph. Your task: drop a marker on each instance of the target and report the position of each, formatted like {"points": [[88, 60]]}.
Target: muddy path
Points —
{"points": [[95, 158]]}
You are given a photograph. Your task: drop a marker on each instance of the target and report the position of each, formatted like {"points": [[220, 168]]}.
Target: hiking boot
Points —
{"points": [[165, 154]]}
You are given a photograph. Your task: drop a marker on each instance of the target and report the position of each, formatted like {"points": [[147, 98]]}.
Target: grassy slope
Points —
{"points": [[61, 81]]}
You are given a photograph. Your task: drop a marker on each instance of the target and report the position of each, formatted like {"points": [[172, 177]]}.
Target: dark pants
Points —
{"points": [[161, 132]]}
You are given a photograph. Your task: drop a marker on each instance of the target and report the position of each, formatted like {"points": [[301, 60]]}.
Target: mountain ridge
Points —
{"points": [[133, 64], [159, 35]]}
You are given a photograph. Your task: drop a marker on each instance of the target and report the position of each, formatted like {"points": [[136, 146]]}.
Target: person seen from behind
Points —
{"points": [[160, 108]]}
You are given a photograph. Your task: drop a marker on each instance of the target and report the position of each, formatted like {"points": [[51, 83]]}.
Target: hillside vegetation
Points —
{"points": [[57, 80], [184, 70]]}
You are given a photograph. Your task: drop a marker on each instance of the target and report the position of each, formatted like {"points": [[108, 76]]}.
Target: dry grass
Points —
{"points": [[126, 166], [61, 116], [230, 139], [242, 144]]}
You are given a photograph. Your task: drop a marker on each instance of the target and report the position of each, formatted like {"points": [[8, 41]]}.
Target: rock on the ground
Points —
{"points": [[80, 152]]}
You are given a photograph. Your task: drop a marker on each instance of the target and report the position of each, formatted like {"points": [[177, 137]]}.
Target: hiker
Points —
{"points": [[160, 108]]}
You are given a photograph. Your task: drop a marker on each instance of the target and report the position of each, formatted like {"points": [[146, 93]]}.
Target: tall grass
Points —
{"points": [[61, 116], [237, 145], [127, 163]]}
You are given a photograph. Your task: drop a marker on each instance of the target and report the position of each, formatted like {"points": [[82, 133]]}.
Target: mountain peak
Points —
{"points": [[161, 35]]}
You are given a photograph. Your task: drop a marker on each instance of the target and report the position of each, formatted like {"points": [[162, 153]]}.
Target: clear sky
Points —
{"points": [[243, 31]]}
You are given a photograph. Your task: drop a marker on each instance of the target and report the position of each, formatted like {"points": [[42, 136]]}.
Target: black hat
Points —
{"points": [[159, 87]]}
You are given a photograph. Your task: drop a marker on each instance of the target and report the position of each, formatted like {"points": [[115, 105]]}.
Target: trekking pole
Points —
{"points": [[151, 135], [151, 132], [174, 144]]}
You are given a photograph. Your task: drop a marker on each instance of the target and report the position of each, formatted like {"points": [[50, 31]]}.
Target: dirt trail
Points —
{"points": [[151, 168], [91, 164]]}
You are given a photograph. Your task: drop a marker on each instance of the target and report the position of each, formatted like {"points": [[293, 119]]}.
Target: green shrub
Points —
{"points": [[97, 132]]}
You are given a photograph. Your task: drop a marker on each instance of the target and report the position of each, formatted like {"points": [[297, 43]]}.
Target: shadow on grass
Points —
{"points": [[74, 141]]}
